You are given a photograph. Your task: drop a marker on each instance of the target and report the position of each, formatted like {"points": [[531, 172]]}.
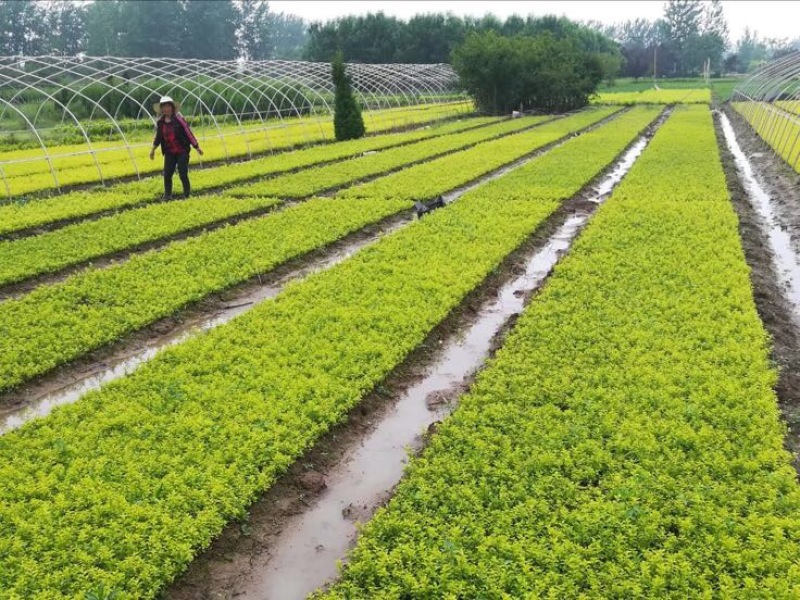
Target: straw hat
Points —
{"points": [[165, 100]]}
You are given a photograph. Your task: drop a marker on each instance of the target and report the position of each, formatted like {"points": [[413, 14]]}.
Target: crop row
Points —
{"points": [[24, 215], [660, 96], [34, 173], [625, 442], [59, 322], [300, 185], [125, 486], [454, 169], [80, 242], [779, 129]]}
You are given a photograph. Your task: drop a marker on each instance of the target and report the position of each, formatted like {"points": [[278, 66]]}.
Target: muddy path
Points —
{"points": [[774, 298], [296, 532]]}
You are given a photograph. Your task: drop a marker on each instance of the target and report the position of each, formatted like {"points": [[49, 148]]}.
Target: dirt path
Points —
{"points": [[778, 314]]}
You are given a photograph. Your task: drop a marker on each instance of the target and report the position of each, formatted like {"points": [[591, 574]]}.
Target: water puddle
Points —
{"points": [[39, 404], [785, 259], [305, 554]]}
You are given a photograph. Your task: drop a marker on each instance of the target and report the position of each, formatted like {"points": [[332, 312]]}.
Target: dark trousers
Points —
{"points": [[181, 161]]}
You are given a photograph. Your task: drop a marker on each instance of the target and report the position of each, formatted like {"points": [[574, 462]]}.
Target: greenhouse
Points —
{"points": [[770, 101]]}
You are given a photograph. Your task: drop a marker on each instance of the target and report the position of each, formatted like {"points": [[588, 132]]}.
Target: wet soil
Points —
{"points": [[777, 313]]}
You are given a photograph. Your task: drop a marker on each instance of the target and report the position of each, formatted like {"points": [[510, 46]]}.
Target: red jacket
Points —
{"points": [[183, 133]]}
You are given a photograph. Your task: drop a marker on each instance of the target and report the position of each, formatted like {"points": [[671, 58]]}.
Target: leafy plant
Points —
{"points": [[155, 464], [348, 123], [625, 441]]}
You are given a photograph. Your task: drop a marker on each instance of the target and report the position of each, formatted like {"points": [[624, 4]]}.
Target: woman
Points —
{"points": [[176, 140]]}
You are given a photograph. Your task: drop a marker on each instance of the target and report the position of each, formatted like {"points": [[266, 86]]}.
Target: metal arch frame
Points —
{"points": [[96, 104], [759, 92], [258, 89], [47, 156], [32, 125]]}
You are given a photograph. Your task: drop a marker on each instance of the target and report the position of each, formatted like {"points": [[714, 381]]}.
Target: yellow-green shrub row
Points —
{"points": [[625, 442], [780, 130], [81, 242], [56, 250], [59, 322], [74, 164], [302, 184], [663, 96], [24, 215], [451, 172], [125, 486]]}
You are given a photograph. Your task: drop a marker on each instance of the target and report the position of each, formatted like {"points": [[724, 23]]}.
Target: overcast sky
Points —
{"points": [[770, 18]]}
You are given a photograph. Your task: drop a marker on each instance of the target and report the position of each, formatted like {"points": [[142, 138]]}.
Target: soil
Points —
{"points": [[776, 312]]}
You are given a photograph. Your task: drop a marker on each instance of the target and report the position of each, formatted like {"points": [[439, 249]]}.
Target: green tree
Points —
{"points": [[255, 41], [682, 19], [289, 36], [208, 29], [21, 28], [104, 28], [348, 124], [529, 72], [65, 31]]}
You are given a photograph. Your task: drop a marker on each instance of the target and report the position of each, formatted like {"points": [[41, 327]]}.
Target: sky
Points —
{"points": [[773, 19]]}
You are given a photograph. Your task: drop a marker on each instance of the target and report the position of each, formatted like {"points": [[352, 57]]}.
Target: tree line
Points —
{"points": [[219, 30], [688, 34], [678, 44]]}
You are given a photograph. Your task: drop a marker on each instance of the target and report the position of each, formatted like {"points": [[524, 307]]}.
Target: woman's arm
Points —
{"points": [[189, 134], [157, 141]]}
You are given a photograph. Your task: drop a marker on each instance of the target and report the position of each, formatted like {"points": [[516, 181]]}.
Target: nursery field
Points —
{"points": [[622, 439]]}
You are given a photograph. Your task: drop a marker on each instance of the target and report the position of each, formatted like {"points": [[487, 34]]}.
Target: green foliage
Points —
{"points": [[430, 38], [348, 124], [651, 96], [625, 442], [147, 470], [432, 178], [530, 73], [62, 321], [59, 322], [20, 216], [28, 171], [56, 250], [326, 178]]}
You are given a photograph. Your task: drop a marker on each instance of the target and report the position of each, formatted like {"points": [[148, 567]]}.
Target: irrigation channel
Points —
{"points": [[69, 383], [304, 553], [785, 258]]}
